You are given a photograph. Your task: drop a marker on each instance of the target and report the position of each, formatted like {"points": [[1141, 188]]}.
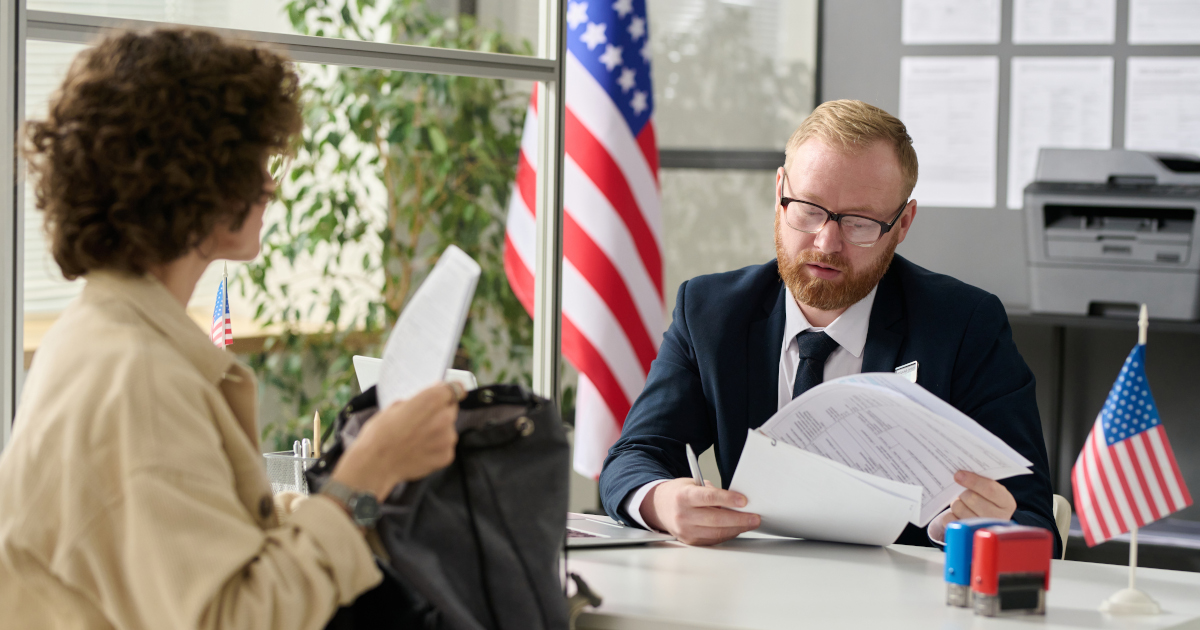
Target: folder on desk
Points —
{"points": [[856, 458]]}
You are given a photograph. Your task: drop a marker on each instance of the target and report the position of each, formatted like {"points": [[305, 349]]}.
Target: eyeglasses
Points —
{"points": [[808, 217]]}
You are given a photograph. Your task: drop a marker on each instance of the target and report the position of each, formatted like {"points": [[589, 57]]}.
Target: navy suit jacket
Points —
{"points": [[717, 375]]}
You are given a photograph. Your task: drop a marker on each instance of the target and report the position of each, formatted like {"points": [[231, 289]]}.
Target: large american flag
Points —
{"points": [[612, 291], [1126, 475], [222, 328]]}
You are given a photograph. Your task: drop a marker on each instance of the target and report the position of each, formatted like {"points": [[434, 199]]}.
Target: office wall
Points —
{"points": [[860, 58]]}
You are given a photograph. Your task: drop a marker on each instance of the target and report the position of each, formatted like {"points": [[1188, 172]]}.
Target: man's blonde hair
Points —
{"points": [[856, 125]]}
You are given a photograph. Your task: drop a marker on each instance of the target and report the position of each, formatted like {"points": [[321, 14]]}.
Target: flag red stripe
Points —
{"points": [[1187, 497], [1083, 502], [596, 267], [1158, 501], [519, 276], [598, 270], [1089, 465], [599, 166], [1137, 465], [584, 356], [1153, 465], [649, 146], [1105, 482], [1126, 487], [1163, 463], [576, 347]]}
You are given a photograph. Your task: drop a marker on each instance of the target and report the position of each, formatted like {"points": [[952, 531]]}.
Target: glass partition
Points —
{"points": [[732, 75], [393, 167]]}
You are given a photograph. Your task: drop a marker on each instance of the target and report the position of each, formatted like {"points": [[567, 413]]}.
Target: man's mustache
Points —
{"points": [[834, 260]]}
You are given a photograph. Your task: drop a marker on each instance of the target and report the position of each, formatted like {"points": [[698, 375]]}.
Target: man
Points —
{"points": [[835, 302]]}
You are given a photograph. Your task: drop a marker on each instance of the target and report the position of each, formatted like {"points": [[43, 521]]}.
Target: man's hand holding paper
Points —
{"points": [[696, 515], [876, 430], [982, 497]]}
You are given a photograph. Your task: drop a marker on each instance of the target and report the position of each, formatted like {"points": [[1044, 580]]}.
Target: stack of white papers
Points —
{"points": [[856, 458], [421, 346]]}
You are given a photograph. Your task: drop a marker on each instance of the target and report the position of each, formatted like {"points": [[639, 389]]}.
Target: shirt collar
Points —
{"points": [[849, 330], [158, 308]]}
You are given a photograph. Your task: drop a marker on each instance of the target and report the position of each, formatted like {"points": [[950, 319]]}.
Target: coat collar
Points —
{"points": [[155, 305], [885, 332], [762, 352]]}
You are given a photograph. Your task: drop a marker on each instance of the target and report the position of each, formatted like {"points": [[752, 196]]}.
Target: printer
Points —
{"points": [[1107, 230]]}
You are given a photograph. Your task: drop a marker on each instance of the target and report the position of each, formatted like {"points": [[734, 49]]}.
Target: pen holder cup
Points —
{"points": [[286, 471]]}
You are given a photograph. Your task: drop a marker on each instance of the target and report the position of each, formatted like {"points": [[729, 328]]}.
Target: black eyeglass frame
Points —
{"points": [[885, 227]]}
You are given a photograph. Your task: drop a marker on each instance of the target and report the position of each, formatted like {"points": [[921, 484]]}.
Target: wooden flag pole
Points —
{"points": [[1131, 601]]}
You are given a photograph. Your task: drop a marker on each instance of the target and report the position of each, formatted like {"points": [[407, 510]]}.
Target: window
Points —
{"points": [[32, 291], [324, 18]]}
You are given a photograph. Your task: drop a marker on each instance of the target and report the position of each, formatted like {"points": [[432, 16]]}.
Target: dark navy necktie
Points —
{"points": [[815, 348]]}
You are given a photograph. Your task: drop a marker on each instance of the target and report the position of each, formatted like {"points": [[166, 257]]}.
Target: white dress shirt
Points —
{"points": [[849, 330]]}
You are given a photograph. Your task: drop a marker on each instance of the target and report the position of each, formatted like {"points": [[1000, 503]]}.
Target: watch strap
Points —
{"points": [[362, 507]]}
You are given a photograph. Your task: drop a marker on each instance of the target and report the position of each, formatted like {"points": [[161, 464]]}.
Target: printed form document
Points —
{"points": [[422, 344], [856, 458]]}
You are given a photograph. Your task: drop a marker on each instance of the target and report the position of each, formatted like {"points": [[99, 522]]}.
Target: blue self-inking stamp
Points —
{"points": [[960, 540]]}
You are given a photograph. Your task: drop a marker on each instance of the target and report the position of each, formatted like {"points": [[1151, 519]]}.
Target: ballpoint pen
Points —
{"points": [[694, 465]]}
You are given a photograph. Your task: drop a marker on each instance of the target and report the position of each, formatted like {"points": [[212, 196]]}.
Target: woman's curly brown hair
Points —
{"points": [[155, 138]]}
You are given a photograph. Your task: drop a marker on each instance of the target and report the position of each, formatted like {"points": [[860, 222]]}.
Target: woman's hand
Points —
{"points": [[407, 441]]}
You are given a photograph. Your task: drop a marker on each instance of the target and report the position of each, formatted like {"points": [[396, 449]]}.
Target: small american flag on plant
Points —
{"points": [[222, 327]]}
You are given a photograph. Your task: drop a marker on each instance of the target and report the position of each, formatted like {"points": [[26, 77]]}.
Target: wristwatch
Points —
{"points": [[363, 507]]}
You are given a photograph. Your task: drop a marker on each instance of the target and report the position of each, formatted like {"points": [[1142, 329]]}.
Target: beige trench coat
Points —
{"points": [[133, 494]]}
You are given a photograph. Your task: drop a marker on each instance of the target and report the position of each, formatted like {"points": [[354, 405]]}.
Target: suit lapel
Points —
{"points": [[885, 330], [762, 359]]}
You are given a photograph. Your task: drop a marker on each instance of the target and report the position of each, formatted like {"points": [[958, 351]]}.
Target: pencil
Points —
{"points": [[316, 434]]}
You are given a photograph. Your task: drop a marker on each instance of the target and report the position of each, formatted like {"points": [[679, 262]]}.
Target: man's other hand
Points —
{"points": [[982, 497], [695, 515]]}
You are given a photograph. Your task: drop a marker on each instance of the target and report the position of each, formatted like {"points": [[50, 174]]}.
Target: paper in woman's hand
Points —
{"points": [[421, 346]]}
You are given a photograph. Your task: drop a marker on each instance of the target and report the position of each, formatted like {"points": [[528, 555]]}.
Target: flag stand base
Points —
{"points": [[1130, 601]]}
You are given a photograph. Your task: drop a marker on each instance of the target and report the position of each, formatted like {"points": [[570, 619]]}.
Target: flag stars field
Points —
{"points": [[637, 28], [576, 14], [628, 79], [594, 35], [638, 102], [611, 57]]}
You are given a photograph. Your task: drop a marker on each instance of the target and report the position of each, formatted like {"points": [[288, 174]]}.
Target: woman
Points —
{"points": [[133, 493]]}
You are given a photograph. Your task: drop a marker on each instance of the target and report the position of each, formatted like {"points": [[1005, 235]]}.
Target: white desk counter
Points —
{"points": [[760, 584]]}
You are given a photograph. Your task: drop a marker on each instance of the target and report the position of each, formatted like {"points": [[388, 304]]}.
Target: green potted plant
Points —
{"points": [[392, 167]]}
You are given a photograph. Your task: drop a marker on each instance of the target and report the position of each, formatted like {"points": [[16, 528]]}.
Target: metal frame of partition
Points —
{"points": [[12, 356], [17, 26]]}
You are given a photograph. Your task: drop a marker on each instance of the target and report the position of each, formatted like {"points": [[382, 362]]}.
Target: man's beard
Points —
{"points": [[823, 294]]}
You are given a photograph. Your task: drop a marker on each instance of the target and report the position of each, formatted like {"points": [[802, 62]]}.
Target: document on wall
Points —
{"points": [[950, 22], [1058, 102], [422, 344], [1064, 21], [884, 440], [1164, 22], [1162, 104], [949, 106]]}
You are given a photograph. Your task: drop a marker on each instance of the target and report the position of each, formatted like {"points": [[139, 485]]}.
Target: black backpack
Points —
{"points": [[474, 546]]}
